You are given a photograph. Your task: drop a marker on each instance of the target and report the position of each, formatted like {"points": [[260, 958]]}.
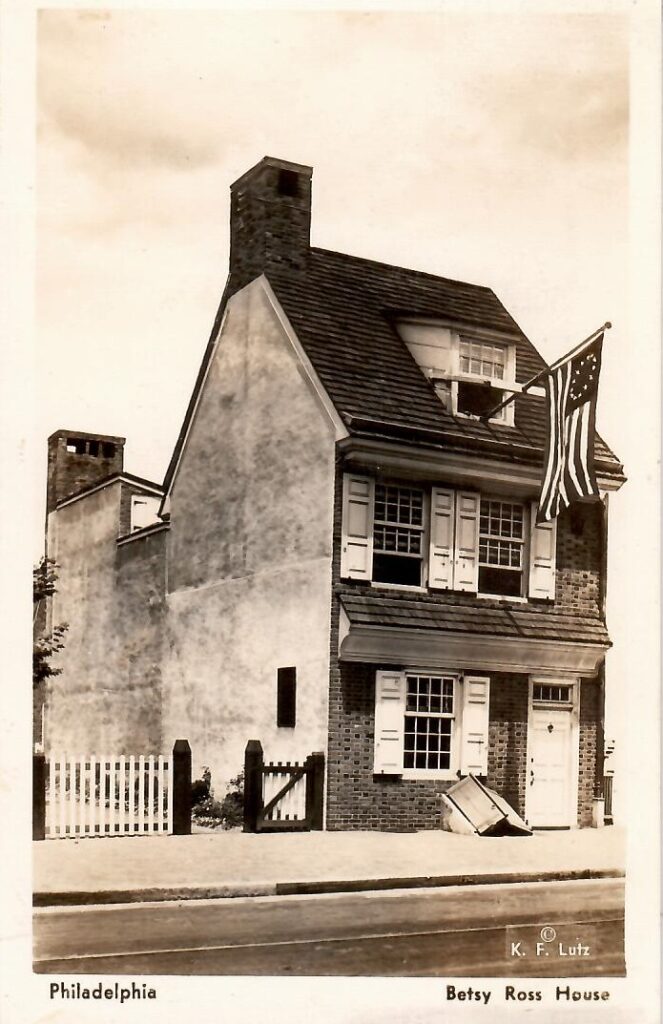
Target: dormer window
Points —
{"points": [[478, 359], [484, 364], [467, 372]]}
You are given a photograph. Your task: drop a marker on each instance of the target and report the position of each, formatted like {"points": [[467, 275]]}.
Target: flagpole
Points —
{"points": [[544, 373]]}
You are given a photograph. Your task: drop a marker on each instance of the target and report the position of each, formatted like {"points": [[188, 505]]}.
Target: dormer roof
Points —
{"points": [[344, 310]]}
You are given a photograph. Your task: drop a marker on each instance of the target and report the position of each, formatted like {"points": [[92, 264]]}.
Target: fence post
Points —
{"points": [[317, 779], [181, 788], [38, 796], [253, 763]]}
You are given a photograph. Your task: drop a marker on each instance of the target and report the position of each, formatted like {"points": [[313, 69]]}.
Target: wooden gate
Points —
{"points": [[282, 797]]}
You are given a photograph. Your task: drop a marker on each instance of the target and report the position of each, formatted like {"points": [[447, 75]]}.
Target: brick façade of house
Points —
{"points": [[342, 555]]}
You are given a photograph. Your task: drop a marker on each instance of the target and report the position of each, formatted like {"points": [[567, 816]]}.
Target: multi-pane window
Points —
{"points": [[552, 694], [501, 547], [487, 363], [429, 721], [398, 534], [482, 360]]}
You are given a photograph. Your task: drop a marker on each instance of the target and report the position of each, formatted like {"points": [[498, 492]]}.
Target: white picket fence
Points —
{"points": [[108, 796]]}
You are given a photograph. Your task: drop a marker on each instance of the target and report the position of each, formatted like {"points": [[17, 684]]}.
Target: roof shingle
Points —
{"points": [[526, 621], [343, 310]]}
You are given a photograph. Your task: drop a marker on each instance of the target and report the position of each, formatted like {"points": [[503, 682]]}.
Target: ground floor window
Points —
{"points": [[429, 721]]}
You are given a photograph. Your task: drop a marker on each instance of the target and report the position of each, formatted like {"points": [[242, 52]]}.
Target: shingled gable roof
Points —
{"points": [[343, 310]]}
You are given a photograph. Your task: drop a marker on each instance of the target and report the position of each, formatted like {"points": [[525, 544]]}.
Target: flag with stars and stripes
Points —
{"points": [[571, 389]]}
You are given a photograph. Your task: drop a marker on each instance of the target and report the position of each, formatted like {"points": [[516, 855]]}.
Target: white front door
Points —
{"points": [[550, 782]]}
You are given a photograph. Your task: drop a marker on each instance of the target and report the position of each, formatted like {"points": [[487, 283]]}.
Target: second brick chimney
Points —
{"points": [[270, 219]]}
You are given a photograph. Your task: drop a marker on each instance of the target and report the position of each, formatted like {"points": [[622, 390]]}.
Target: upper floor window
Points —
{"points": [[481, 360], [467, 371], [398, 534], [445, 539], [501, 547]]}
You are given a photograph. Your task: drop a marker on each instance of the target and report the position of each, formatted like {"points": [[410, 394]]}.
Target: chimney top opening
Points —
{"points": [[288, 184]]}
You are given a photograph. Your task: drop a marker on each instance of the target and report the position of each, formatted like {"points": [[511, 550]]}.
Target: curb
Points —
{"points": [[207, 892]]}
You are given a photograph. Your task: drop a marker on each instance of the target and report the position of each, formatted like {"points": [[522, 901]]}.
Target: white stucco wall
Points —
{"points": [[107, 698], [249, 551]]}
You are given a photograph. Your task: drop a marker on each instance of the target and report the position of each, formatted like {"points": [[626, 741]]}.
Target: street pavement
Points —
{"points": [[540, 929]]}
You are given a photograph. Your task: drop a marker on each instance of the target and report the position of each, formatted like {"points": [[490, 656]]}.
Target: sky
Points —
{"points": [[487, 148], [490, 149]]}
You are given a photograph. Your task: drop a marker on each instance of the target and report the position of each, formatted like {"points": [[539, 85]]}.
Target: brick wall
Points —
{"points": [[507, 738], [268, 227], [590, 714], [101, 455], [358, 799], [579, 551], [578, 588]]}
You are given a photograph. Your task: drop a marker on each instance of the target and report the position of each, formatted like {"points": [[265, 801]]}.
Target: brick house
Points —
{"points": [[342, 556]]}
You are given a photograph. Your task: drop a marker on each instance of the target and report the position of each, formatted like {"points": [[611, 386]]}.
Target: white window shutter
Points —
{"points": [[389, 722], [466, 563], [542, 552], [441, 550], [357, 527], [474, 731]]}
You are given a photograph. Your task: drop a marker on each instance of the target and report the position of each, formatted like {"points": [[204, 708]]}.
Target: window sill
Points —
{"points": [[499, 420], [422, 774], [503, 598], [399, 586]]}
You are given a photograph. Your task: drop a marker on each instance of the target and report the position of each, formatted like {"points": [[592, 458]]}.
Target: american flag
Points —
{"points": [[571, 388]]}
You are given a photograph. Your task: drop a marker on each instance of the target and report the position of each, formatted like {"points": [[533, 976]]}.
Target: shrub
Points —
{"points": [[232, 807], [200, 788], [212, 813]]}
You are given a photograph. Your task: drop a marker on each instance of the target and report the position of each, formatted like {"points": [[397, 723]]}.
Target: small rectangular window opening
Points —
{"points": [[93, 448], [286, 698], [76, 445], [108, 450], [552, 694], [288, 183]]}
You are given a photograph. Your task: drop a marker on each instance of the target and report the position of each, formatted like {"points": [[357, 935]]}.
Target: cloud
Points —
{"points": [[98, 89], [580, 115]]}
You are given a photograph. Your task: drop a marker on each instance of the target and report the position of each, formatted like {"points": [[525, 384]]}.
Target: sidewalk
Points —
{"points": [[221, 864]]}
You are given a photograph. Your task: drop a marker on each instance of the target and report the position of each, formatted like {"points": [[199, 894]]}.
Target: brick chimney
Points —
{"points": [[270, 219], [77, 461]]}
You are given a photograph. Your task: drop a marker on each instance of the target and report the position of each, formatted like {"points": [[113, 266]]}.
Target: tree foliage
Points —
{"points": [[45, 644]]}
